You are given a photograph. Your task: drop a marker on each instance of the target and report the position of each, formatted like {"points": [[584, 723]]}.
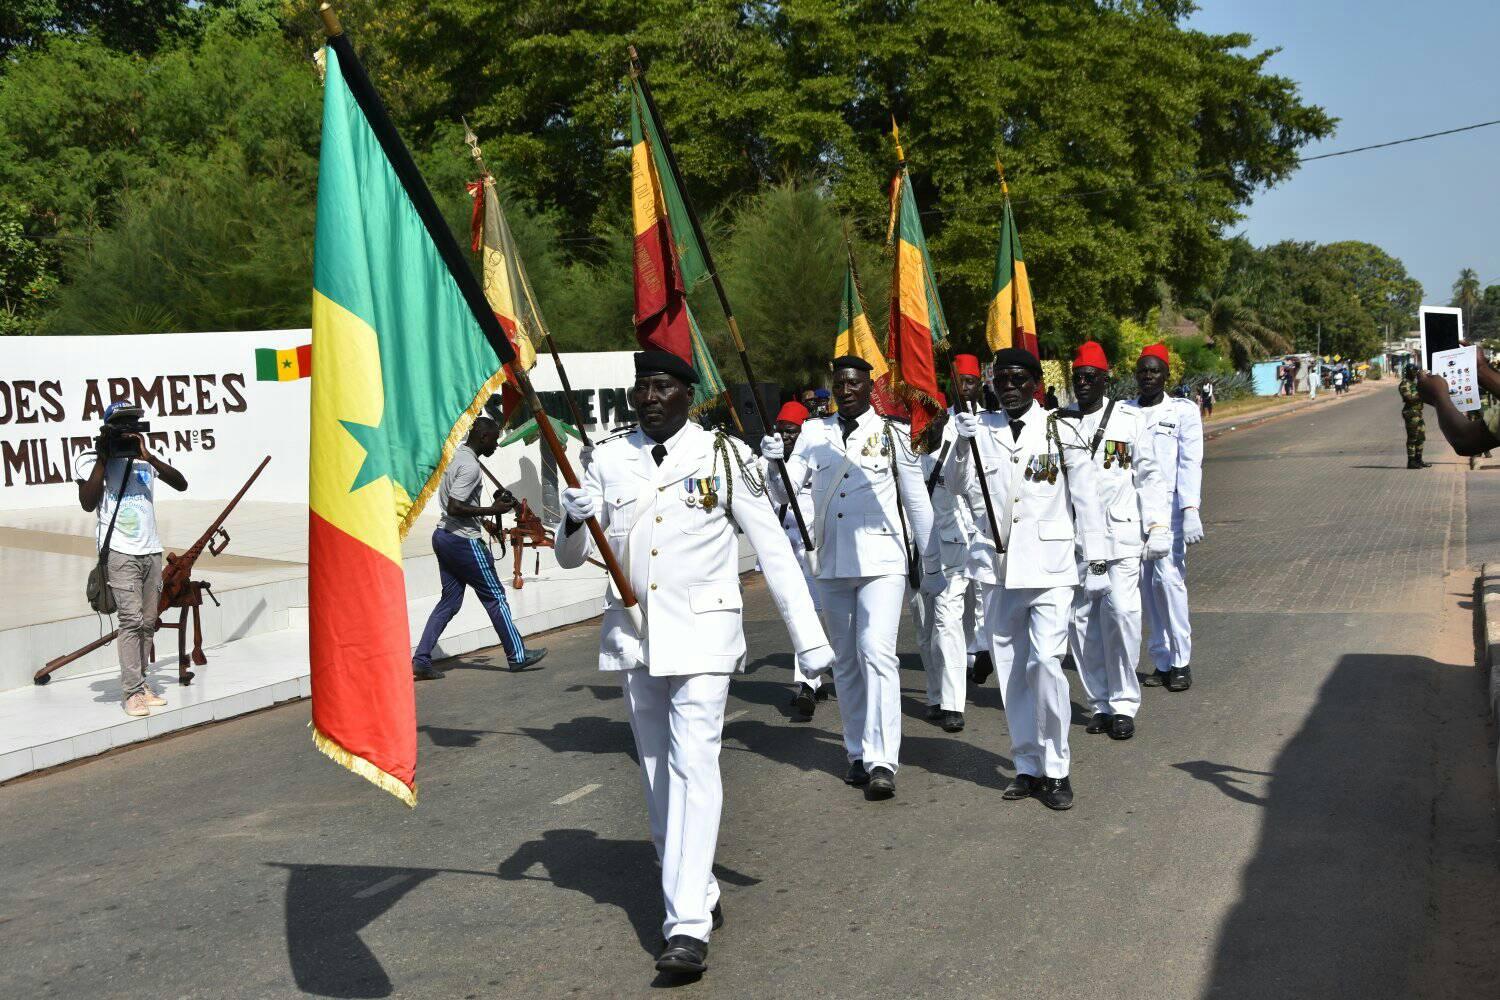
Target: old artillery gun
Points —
{"points": [[178, 590]]}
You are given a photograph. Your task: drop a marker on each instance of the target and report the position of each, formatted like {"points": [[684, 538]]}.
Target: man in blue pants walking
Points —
{"points": [[462, 557]]}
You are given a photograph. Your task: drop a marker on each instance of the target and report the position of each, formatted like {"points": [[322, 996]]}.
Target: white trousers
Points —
{"points": [[862, 615], [1165, 598], [678, 723], [1105, 640], [1028, 636], [944, 642], [974, 632], [797, 675]]}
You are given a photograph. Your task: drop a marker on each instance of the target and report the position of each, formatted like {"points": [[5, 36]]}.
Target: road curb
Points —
{"points": [[1223, 425], [1488, 608]]}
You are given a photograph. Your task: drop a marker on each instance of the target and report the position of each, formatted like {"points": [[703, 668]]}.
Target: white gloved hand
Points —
{"points": [[1158, 542], [966, 424], [816, 661], [772, 447], [1192, 526], [1095, 584], [579, 504]]}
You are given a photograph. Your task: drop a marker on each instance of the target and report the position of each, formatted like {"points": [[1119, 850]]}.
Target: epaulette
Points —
{"points": [[623, 430], [1068, 413]]}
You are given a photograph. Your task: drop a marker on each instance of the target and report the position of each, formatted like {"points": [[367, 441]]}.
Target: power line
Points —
{"points": [[1398, 142]]}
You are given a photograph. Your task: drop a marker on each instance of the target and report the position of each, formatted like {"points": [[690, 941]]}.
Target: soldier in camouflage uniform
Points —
{"points": [[1411, 415]]}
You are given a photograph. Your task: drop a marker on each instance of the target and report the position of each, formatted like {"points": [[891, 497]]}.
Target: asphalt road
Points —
{"points": [[1316, 817]]}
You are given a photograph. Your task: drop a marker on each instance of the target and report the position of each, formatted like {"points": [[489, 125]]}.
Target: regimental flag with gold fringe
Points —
{"points": [[918, 329], [1011, 322], [403, 365], [856, 338], [668, 259], [505, 285]]}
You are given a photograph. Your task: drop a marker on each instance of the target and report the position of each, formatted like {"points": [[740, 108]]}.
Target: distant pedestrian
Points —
{"points": [[1049, 399], [1411, 416], [1206, 399], [809, 399]]}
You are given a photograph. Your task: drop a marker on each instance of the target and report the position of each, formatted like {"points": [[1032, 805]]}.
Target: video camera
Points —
{"points": [[113, 442]]}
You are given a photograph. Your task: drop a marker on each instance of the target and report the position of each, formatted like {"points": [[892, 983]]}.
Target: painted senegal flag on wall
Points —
{"points": [[402, 367], [917, 322], [668, 259], [856, 338], [1011, 321], [272, 365]]}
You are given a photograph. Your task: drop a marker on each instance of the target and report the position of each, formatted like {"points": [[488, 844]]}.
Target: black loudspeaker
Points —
{"points": [[770, 397]]}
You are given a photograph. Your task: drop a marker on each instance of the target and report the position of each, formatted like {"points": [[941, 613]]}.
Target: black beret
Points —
{"points": [[1015, 357], [664, 363], [850, 361]]}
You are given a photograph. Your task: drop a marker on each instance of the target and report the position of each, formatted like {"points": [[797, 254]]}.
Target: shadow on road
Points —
{"points": [[443, 736], [619, 873], [1341, 895]]}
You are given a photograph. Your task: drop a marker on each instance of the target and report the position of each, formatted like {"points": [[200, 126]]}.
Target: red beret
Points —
{"points": [[1090, 355], [1157, 351], [966, 364], [792, 412]]}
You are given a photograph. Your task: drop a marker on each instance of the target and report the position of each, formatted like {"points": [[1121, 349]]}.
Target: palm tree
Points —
{"points": [[1467, 294]]}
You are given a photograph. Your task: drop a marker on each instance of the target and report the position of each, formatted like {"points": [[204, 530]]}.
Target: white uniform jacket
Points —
{"points": [[1131, 488], [1177, 439], [682, 557], [952, 521], [1038, 519], [857, 527], [788, 519]]}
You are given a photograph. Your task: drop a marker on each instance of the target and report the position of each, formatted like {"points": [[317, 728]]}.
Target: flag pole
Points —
{"points": [[458, 268], [562, 373], [638, 73]]}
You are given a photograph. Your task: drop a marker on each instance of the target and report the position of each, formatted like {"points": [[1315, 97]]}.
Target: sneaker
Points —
{"points": [[136, 705], [531, 658], [153, 700]]}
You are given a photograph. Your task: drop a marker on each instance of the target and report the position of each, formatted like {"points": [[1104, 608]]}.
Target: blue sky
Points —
{"points": [[1387, 70]]}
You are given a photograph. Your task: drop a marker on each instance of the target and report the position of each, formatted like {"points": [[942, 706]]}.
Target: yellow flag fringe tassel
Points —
{"points": [[363, 768], [455, 436]]}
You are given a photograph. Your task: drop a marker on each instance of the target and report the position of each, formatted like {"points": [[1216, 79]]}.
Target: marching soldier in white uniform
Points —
{"points": [[810, 689], [969, 386], [1045, 493], [666, 494], [946, 586], [1106, 635], [1177, 440], [871, 524]]}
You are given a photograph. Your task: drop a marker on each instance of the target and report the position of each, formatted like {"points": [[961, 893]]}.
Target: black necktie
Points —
{"points": [[1015, 429], [659, 453], [848, 427]]}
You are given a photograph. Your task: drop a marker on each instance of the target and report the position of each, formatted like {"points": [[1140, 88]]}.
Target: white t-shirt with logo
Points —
{"points": [[135, 529]]}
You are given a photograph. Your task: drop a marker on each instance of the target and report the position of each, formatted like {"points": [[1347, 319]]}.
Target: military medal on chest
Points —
{"points": [[702, 492]]}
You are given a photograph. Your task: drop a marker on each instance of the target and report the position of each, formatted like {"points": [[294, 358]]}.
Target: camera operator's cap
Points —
{"points": [[792, 412], [112, 409], [1157, 351], [1090, 355], [966, 364], [1015, 357], [852, 361], [822, 394], [664, 363]]}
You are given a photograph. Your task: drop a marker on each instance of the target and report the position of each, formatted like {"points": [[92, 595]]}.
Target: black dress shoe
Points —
{"points": [[717, 913], [882, 784], [824, 690], [1121, 727], [426, 673], [1056, 793], [1099, 723], [806, 701], [983, 667], [857, 774], [532, 657], [1022, 786], [1180, 679], [953, 722], [686, 956], [1155, 679], [934, 713]]}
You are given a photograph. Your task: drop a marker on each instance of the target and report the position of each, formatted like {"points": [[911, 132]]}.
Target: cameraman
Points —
{"points": [[121, 490]]}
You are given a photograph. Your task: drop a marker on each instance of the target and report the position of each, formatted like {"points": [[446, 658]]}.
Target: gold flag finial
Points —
{"points": [[1000, 168], [896, 138]]}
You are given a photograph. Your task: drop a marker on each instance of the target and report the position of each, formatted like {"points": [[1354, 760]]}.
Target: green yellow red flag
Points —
{"points": [[855, 337], [917, 326], [505, 286], [1011, 321], [668, 258], [288, 365], [402, 366]]}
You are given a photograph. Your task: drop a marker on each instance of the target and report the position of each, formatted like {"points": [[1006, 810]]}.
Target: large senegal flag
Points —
{"points": [[401, 364], [1011, 321], [668, 259], [917, 323], [856, 338]]}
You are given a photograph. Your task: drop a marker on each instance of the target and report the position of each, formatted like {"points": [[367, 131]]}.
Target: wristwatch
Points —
{"points": [[1098, 567]]}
